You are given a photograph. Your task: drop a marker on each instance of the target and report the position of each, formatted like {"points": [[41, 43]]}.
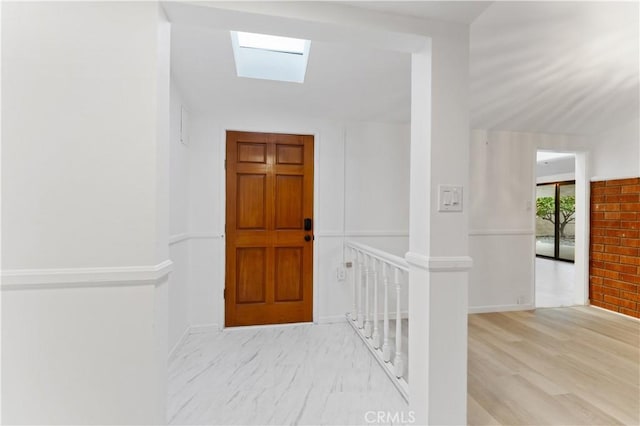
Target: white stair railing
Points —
{"points": [[360, 317], [375, 337], [369, 266]]}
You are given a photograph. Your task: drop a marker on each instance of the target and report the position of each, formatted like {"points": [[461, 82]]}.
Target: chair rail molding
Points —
{"points": [[119, 276], [354, 234], [439, 263], [185, 236]]}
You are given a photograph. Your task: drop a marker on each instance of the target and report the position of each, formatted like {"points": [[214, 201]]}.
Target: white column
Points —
{"points": [[438, 240], [85, 213], [581, 292]]}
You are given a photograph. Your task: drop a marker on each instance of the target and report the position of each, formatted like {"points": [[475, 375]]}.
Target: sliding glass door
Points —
{"points": [[555, 220]]}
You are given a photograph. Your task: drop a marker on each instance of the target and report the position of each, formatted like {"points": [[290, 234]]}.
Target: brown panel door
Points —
{"points": [[269, 254]]}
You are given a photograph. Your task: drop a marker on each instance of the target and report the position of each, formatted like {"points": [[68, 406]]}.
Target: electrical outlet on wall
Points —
{"points": [[342, 273]]}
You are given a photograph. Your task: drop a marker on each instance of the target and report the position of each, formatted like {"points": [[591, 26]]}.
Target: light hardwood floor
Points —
{"points": [[554, 366], [569, 366]]}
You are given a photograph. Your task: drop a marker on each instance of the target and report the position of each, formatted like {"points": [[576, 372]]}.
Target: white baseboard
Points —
{"points": [[332, 319], [499, 308], [267, 326], [179, 343], [204, 328], [193, 329]]}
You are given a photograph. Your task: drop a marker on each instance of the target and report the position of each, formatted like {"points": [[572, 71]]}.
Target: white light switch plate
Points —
{"points": [[449, 198]]}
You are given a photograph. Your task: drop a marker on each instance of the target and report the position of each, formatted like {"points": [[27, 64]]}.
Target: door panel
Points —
{"points": [[251, 200], [269, 273], [251, 275], [287, 154], [289, 199], [252, 153], [288, 269]]}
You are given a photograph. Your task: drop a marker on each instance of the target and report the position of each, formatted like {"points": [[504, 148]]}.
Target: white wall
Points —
{"points": [[502, 227], [377, 174], [85, 88], [502, 234], [65, 83], [616, 152], [178, 223], [375, 152]]}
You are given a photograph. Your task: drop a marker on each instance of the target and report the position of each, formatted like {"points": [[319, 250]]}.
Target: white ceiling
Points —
{"points": [[551, 67], [555, 67], [462, 12], [341, 83], [556, 166]]}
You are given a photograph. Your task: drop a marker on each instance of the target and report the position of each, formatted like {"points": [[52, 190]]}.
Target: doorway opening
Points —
{"points": [[555, 227]]}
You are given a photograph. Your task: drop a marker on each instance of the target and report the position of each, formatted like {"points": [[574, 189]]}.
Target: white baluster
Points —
{"points": [[386, 349], [376, 333], [367, 321], [359, 256], [354, 307], [397, 360]]}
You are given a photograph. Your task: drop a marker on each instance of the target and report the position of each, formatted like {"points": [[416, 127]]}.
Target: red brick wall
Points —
{"points": [[614, 255]]}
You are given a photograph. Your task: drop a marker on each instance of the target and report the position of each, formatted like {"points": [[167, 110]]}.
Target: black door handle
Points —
{"points": [[307, 237]]}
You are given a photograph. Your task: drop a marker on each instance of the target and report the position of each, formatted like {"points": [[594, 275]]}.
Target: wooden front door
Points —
{"points": [[269, 229]]}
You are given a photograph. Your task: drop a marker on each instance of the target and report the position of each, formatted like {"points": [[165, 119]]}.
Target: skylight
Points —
{"points": [[270, 42], [270, 57]]}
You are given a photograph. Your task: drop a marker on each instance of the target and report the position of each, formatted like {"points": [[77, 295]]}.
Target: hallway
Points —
{"points": [[298, 374], [531, 367]]}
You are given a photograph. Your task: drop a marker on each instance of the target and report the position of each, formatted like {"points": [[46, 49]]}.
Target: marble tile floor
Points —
{"points": [[298, 374], [392, 343]]}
